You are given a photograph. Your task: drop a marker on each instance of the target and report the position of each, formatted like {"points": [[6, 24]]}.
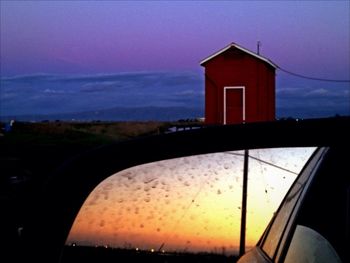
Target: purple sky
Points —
{"points": [[112, 36], [96, 37]]}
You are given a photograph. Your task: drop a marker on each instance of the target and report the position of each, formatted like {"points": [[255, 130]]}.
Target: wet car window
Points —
{"points": [[187, 205]]}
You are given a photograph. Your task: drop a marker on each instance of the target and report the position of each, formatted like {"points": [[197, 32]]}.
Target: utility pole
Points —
{"points": [[244, 204]]}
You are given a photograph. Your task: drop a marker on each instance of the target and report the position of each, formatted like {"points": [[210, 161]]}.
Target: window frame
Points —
{"points": [[309, 171]]}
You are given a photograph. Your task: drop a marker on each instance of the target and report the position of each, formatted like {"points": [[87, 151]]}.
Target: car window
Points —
{"points": [[274, 235], [187, 205], [310, 246]]}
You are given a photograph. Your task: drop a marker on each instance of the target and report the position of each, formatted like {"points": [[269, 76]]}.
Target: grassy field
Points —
{"points": [[34, 150]]}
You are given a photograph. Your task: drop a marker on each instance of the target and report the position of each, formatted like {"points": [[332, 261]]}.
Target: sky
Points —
{"points": [[188, 204], [46, 44]]}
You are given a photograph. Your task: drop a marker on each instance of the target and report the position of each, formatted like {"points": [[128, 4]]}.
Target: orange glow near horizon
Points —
{"points": [[187, 204]]}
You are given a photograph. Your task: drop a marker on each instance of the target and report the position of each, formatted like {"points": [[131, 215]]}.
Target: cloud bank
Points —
{"points": [[45, 94]]}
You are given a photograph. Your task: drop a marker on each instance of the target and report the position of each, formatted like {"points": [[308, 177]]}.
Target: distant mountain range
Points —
{"points": [[118, 114], [157, 114]]}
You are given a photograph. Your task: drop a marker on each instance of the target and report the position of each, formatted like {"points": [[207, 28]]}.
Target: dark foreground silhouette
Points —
{"points": [[73, 254]]}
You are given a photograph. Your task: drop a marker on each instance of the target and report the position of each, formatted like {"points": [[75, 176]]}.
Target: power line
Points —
{"points": [[274, 165], [266, 162], [312, 78]]}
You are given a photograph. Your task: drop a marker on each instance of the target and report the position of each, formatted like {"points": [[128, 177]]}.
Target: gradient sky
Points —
{"points": [[110, 37]]}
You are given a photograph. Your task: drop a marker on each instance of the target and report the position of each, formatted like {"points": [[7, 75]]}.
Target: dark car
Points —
{"points": [[311, 224]]}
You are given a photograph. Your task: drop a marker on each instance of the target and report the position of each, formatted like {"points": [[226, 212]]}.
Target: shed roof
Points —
{"points": [[234, 45]]}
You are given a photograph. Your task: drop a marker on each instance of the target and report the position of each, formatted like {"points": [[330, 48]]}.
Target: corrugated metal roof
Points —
{"points": [[242, 49]]}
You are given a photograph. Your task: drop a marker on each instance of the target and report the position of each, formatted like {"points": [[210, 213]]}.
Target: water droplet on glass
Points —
{"points": [[149, 178], [129, 175], [154, 184]]}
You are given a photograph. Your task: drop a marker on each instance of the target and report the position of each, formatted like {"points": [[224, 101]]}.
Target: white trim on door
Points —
{"points": [[243, 94]]}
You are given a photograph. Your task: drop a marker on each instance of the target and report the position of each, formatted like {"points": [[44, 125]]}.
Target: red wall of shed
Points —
{"points": [[236, 68]]}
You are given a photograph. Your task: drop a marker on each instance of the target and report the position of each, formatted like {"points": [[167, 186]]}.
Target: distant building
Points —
{"points": [[239, 86]]}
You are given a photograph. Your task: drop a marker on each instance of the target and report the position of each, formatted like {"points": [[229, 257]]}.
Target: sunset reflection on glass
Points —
{"points": [[188, 204]]}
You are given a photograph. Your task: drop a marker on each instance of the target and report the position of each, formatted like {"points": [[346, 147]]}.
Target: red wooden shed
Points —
{"points": [[239, 86]]}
